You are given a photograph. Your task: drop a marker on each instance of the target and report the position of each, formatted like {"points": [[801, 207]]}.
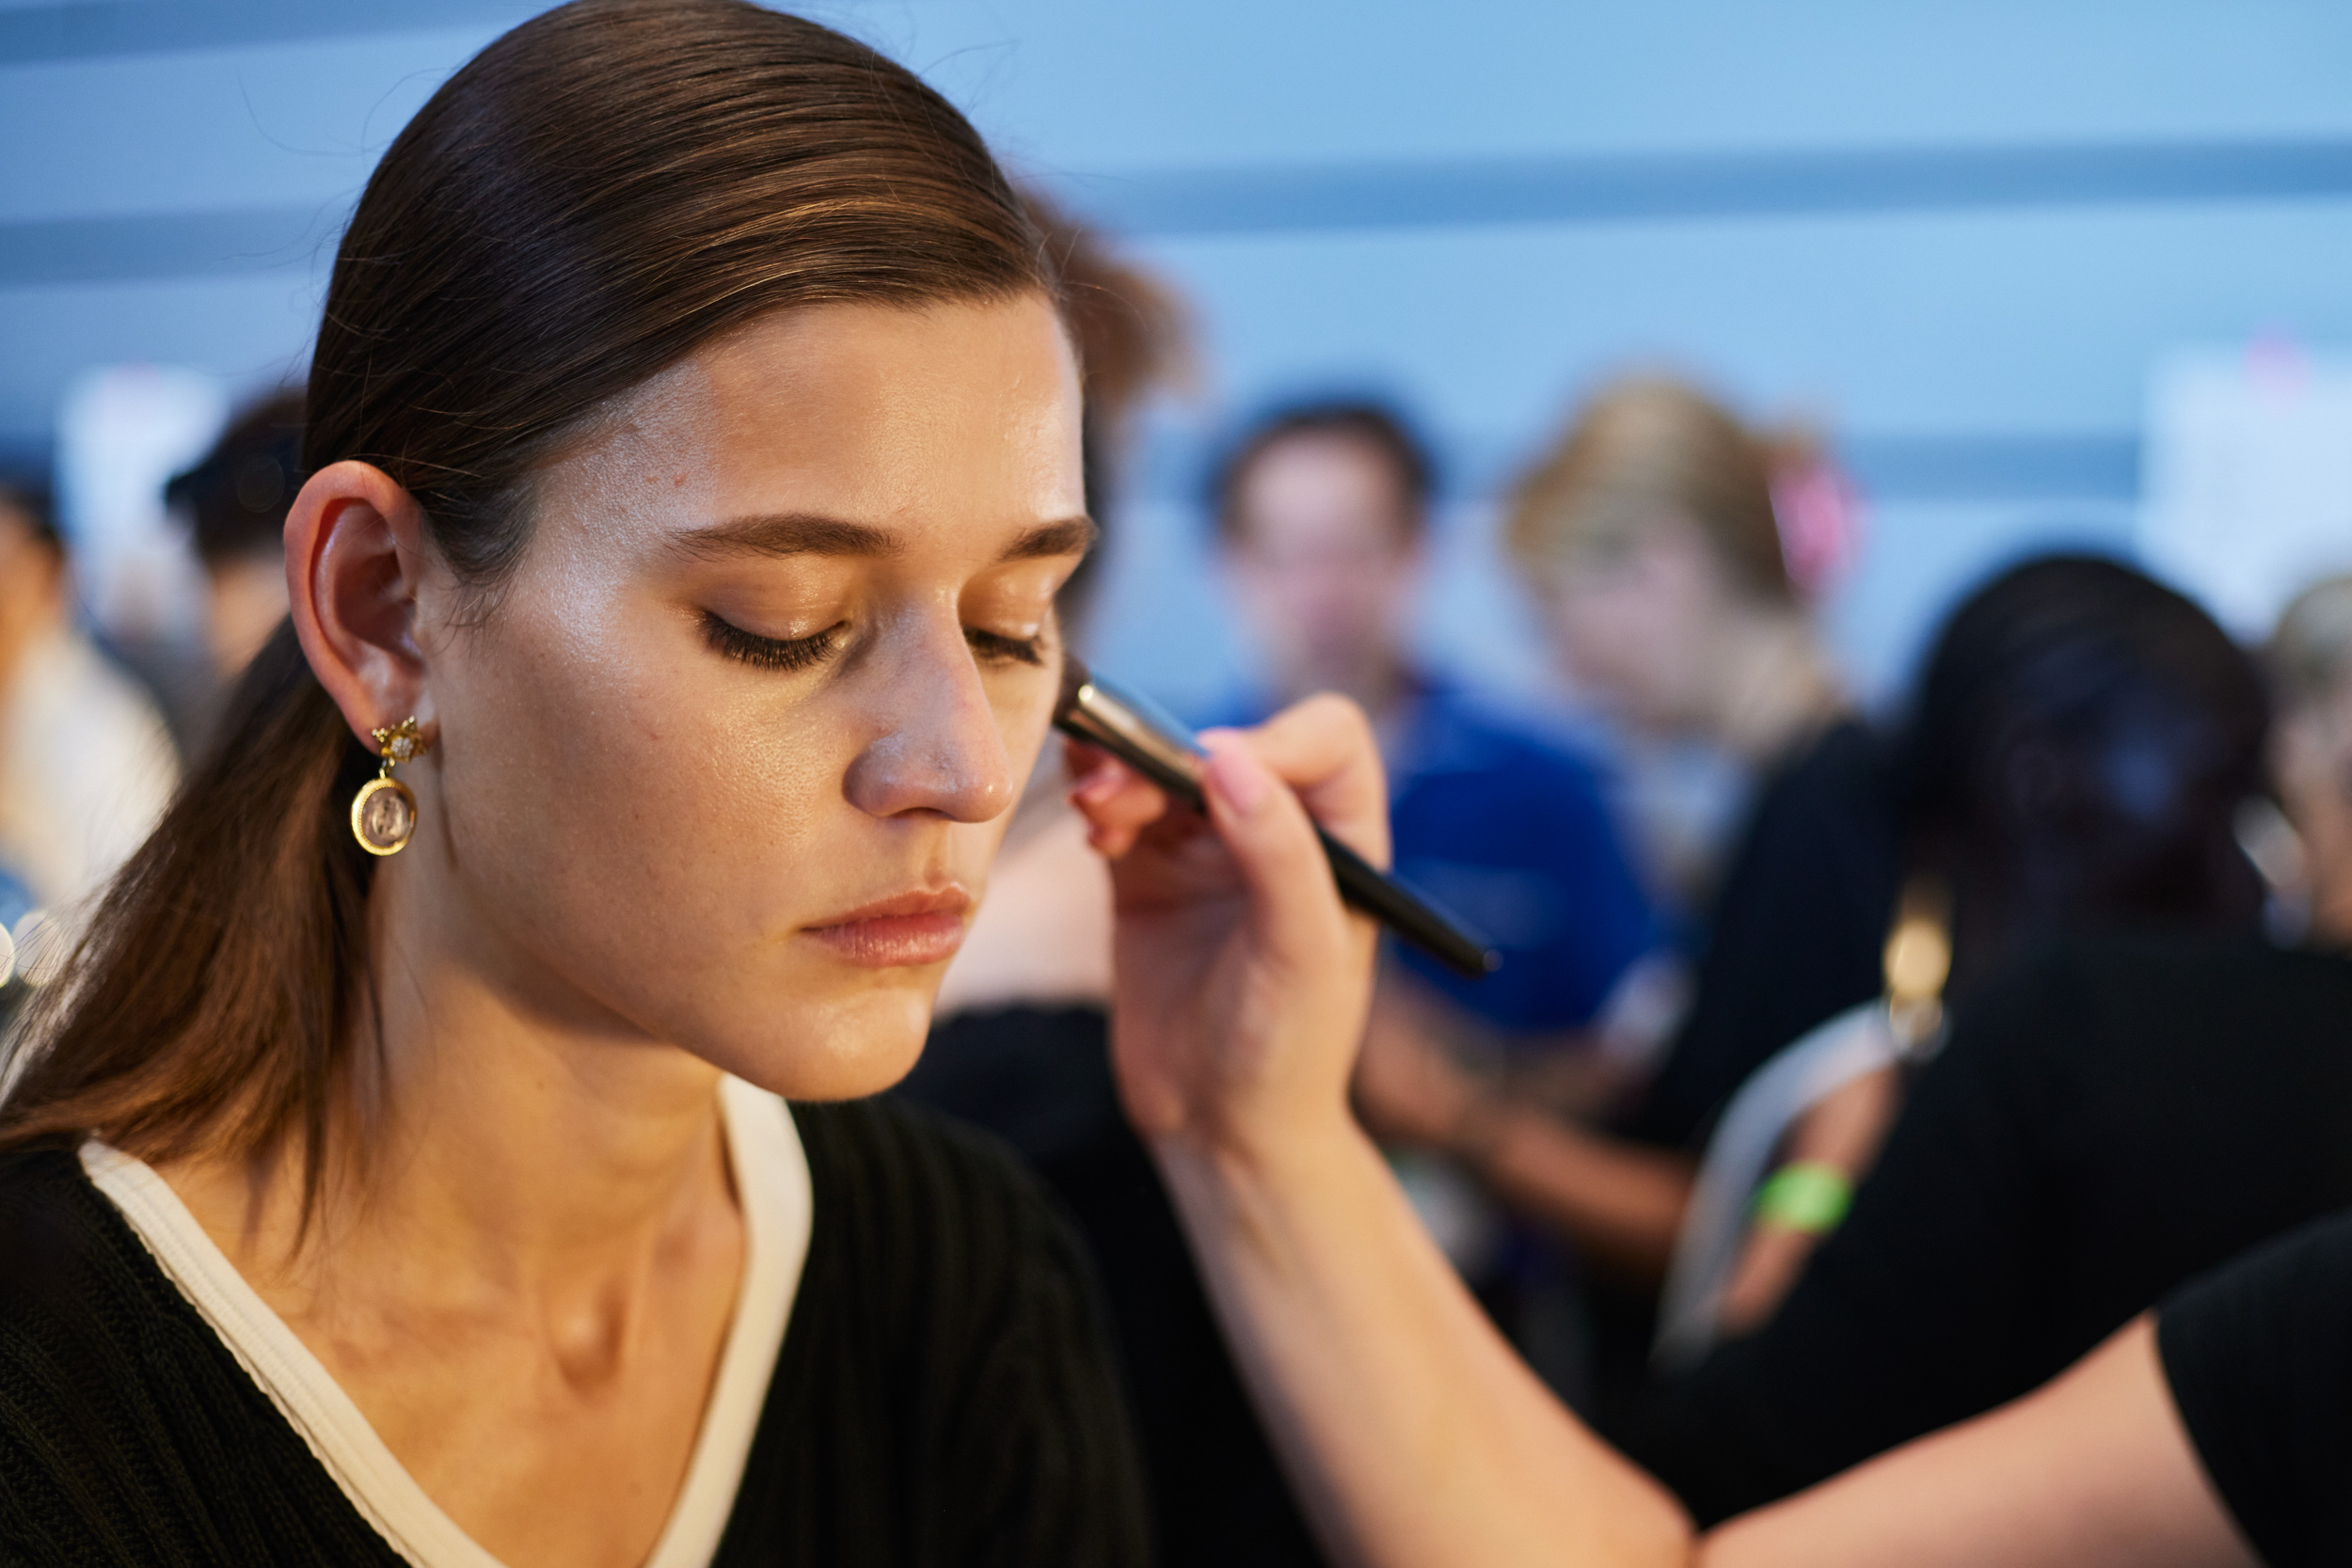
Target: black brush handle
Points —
{"points": [[1409, 913], [1163, 751]]}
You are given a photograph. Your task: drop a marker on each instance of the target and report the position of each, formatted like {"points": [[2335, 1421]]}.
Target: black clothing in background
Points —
{"points": [[1041, 1079], [2258, 1357], [943, 1396], [1794, 939], [1795, 934], [2108, 1120]]}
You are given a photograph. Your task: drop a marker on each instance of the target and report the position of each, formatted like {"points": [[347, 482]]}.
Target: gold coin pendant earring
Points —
{"points": [[384, 814]]}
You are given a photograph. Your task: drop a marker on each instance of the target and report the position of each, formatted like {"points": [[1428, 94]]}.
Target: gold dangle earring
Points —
{"points": [[384, 814]]}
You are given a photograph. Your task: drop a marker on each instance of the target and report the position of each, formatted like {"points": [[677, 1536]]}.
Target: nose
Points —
{"points": [[936, 748]]}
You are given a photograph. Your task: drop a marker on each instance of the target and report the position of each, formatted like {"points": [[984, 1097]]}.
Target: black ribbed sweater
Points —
{"points": [[943, 1396]]}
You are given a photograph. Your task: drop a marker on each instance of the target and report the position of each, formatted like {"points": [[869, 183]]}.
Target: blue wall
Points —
{"points": [[1957, 235]]}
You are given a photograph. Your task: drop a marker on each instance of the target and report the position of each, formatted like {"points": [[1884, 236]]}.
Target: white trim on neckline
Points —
{"points": [[771, 1171]]}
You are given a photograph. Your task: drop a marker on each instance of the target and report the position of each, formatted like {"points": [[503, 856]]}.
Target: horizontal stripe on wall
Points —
{"points": [[1995, 467], [1957, 467], [1961, 466], [1711, 185], [164, 245], [30, 34], [1387, 195]]}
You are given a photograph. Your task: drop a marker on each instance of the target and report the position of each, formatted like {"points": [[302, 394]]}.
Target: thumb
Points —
{"points": [[1294, 902]]}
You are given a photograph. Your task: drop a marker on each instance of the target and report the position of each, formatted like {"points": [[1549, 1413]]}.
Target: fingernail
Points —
{"points": [[1236, 778]]}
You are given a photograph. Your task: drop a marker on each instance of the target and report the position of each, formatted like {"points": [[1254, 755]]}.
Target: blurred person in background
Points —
{"points": [[2115, 1111], [236, 501], [2081, 746], [1322, 515], [1322, 520], [1021, 1039], [1649, 535], [85, 765], [1650, 538]]}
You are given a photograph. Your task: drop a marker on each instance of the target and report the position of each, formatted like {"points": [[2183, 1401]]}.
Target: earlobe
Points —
{"points": [[354, 561]]}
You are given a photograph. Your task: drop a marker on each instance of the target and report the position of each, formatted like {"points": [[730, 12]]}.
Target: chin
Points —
{"points": [[845, 1049]]}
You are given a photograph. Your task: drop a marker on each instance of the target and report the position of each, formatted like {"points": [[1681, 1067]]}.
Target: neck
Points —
{"points": [[504, 1146], [1774, 684]]}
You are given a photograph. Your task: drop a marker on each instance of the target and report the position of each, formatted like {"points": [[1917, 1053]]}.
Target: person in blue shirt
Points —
{"points": [[1322, 511]]}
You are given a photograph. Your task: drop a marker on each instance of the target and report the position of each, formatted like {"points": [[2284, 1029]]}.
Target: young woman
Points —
{"points": [[398, 1173]]}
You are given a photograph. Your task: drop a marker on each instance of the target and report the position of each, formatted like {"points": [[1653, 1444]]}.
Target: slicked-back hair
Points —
{"points": [[596, 193]]}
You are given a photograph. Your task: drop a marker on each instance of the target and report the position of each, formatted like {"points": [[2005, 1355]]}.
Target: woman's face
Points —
{"points": [[1633, 628], [725, 765]]}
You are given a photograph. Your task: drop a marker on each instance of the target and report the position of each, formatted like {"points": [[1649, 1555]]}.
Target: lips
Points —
{"points": [[925, 927]]}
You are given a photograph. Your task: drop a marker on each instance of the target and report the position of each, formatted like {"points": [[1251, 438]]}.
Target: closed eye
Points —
{"points": [[996, 648], [770, 653]]}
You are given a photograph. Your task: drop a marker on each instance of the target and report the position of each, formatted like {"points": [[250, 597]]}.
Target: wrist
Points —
{"points": [[1807, 1197], [1266, 1149], [1266, 1169]]}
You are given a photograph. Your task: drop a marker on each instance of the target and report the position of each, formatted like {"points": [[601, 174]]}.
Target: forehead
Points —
{"points": [[951, 415], [1321, 482]]}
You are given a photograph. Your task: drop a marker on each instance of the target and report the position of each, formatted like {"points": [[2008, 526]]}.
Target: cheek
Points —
{"points": [[626, 812]]}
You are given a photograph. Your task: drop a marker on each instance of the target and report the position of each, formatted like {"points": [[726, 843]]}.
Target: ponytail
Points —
{"points": [[596, 195], [211, 1000]]}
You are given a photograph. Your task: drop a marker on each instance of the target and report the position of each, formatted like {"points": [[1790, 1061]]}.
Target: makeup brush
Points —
{"points": [[1134, 729]]}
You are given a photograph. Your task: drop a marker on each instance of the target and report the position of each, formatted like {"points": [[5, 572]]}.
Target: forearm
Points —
{"points": [[2093, 1470], [1414, 1433], [1621, 1201]]}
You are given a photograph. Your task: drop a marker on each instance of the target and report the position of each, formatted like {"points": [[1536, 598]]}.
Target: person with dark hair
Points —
{"points": [[2077, 756], [2115, 1111], [1322, 517], [236, 501], [401, 1169], [85, 765]]}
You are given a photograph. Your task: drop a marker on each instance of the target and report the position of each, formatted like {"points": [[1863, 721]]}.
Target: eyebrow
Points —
{"points": [[804, 534]]}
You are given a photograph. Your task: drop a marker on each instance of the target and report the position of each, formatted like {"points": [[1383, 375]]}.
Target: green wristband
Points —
{"points": [[1804, 1196]]}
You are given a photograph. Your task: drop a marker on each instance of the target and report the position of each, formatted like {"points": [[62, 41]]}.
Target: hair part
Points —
{"points": [[599, 192]]}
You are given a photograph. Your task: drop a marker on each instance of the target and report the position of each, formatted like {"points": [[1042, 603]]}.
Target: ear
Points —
{"points": [[354, 559]]}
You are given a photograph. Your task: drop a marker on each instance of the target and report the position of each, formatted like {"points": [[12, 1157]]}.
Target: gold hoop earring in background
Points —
{"points": [[384, 814]]}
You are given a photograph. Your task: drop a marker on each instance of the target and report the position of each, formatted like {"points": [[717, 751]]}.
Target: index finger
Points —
{"points": [[1324, 750]]}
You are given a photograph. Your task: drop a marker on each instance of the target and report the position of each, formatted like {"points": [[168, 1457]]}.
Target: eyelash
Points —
{"points": [[1000, 649], [768, 653], [803, 653]]}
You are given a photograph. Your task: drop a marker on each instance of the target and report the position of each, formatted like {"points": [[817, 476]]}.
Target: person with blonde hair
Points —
{"points": [[1650, 536]]}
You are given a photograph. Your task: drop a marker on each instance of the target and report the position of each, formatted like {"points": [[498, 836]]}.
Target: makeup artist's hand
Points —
{"points": [[1241, 980]]}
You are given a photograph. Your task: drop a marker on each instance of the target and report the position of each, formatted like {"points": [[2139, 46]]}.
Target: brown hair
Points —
{"points": [[1132, 336], [1648, 448], [1381, 429], [595, 193]]}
